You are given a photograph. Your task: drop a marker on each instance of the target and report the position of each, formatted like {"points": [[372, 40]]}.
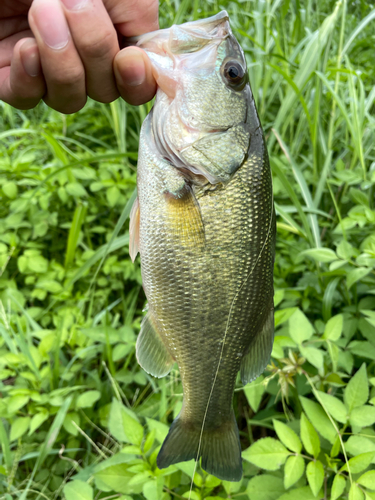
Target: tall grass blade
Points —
{"points": [[74, 232], [49, 441], [304, 190], [359, 28], [4, 441]]}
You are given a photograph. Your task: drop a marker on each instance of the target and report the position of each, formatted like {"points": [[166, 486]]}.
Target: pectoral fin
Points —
{"points": [[185, 219], [258, 355], [134, 230], [151, 351]]}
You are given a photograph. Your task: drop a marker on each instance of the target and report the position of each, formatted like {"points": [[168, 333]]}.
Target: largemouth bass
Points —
{"points": [[204, 225]]}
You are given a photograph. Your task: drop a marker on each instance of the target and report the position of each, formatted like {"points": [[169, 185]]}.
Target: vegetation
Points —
{"points": [[78, 417]]}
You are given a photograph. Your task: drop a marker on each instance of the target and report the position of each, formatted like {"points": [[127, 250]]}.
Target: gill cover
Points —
{"points": [[201, 120]]}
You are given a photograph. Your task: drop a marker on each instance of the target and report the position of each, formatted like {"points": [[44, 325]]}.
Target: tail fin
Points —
{"points": [[220, 448]]}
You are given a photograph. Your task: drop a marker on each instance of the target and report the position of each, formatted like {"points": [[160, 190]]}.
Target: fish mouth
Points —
{"points": [[205, 27]]}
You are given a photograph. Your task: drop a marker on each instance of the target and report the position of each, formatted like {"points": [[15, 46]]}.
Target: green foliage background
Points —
{"points": [[78, 417]]}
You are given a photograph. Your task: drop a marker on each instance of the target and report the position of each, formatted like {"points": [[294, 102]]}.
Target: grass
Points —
{"points": [[78, 417]]}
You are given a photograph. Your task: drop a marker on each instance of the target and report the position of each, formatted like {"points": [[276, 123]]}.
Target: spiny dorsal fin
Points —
{"points": [[151, 351]]}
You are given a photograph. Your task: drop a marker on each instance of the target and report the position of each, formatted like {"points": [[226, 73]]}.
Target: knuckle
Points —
{"points": [[70, 78], [94, 47]]}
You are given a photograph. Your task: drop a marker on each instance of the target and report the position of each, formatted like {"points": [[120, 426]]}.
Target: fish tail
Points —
{"points": [[220, 448]]}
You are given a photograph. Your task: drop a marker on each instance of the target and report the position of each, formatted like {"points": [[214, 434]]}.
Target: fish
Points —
{"points": [[204, 225]]}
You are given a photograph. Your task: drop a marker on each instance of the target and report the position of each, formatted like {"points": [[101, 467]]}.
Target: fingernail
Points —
{"points": [[132, 67], [75, 4], [30, 57], [51, 23]]}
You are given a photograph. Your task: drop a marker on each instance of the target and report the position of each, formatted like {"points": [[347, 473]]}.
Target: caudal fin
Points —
{"points": [[220, 448]]}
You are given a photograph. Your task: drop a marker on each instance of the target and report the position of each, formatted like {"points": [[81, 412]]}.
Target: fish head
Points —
{"points": [[201, 117]]}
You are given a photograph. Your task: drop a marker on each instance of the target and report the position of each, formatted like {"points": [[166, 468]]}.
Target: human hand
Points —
{"points": [[63, 51]]}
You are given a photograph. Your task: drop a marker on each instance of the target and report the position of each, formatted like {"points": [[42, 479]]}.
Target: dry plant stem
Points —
{"points": [[90, 440]]}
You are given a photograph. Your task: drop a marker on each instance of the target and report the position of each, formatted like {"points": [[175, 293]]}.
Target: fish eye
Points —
{"points": [[235, 74]]}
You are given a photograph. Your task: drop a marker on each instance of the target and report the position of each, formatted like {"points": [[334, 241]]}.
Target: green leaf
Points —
{"points": [[310, 438], [338, 486], [149, 441], [153, 490], [123, 426], [355, 492], [76, 189], [363, 416], [115, 477], [320, 254], [356, 392], [293, 470], [15, 403], [19, 427], [38, 264], [188, 468], [300, 328], [69, 425], [303, 493], [359, 463], [113, 195], [161, 430], [287, 436], [367, 480], [333, 328], [359, 444], [315, 476], [313, 356], [318, 418], [10, 190], [78, 490], [254, 392], [267, 453], [334, 406], [356, 275], [37, 420], [264, 487], [87, 399]]}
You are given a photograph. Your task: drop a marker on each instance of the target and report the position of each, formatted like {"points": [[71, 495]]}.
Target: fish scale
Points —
{"points": [[206, 240]]}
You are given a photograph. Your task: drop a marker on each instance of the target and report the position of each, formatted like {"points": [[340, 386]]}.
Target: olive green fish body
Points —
{"points": [[206, 240]]}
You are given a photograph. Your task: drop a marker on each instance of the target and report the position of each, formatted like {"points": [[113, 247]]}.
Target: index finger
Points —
{"points": [[133, 17], [132, 66]]}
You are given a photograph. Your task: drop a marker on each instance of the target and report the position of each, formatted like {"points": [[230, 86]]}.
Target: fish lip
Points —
{"points": [[214, 20]]}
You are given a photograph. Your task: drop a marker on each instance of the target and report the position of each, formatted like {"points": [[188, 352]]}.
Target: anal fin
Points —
{"points": [[151, 351], [258, 355]]}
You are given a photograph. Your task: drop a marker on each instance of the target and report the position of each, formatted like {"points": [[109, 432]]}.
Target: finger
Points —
{"points": [[22, 84], [141, 16], [134, 76], [62, 67], [96, 41]]}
